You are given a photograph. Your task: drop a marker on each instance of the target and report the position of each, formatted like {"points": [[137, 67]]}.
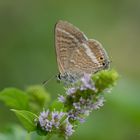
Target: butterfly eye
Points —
{"points": [[59, 76]]}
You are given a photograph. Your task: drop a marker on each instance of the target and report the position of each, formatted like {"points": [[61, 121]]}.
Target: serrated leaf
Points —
{"points": [[14, 98], [26, 118]]}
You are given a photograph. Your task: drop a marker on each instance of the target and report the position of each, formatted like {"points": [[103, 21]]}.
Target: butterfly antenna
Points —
{"points": [[47, 81]]}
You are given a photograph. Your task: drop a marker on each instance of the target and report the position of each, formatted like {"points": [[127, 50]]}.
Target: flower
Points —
{"points": [[72, 115], [50, 120], [81, 98], [71, 90], [68, 129], [87, 82], [99, 103], [56, 118], [81, 106], [61, 99]]}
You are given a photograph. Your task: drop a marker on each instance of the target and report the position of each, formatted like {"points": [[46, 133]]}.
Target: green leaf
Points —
{"points": [[14, 98], [27, 119], [56, 105], [38, 97]]}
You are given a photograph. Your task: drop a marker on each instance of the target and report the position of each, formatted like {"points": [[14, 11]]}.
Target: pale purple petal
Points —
{"points": [[68, 129], [71, 91], [61, 99], [49, 120], [87, 83], [99, 103], [81, 120], [77, 106], [86, 78]]}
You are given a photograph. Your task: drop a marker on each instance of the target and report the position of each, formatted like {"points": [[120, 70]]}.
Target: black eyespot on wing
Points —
{"points": [[103, 63], [101, 58]]}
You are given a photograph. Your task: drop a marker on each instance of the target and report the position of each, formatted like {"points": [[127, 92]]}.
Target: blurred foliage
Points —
{"points": [[34, 99], [27, 56], [16, 132], [27, 119], [14, 98], [39, 98]]}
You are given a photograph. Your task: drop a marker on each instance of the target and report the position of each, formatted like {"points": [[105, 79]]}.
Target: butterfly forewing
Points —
{"points": [[67, 39]]}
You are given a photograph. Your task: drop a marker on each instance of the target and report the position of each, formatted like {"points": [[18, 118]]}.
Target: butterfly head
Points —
{"points": [[67, 78]]}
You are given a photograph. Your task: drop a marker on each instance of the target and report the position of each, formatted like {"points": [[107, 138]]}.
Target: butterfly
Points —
{"points": [[76, 54]]}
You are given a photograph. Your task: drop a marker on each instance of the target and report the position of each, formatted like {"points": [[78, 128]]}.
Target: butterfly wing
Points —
{"points": [[67, 39], [75, 53], [90, 57]]}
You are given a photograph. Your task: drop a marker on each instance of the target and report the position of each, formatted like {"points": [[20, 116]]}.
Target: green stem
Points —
{"points": [[28, 137], [49, 137]]}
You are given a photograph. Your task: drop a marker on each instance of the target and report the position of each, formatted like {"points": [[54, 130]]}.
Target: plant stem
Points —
{"points": [[49, 137], [28, 137]]}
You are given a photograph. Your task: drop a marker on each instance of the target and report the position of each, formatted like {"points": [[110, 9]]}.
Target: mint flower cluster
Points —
{"points": [[52, 121], [78, 102], [80, 99]]}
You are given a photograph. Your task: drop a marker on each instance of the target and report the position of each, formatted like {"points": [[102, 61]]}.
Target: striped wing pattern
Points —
{"points": [[76, 54]]}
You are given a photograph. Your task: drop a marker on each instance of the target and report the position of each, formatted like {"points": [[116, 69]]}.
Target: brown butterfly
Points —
{"points": [[76, 54]]}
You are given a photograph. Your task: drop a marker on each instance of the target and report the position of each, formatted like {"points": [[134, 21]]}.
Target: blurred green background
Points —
{"points": [[27, 57]]}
